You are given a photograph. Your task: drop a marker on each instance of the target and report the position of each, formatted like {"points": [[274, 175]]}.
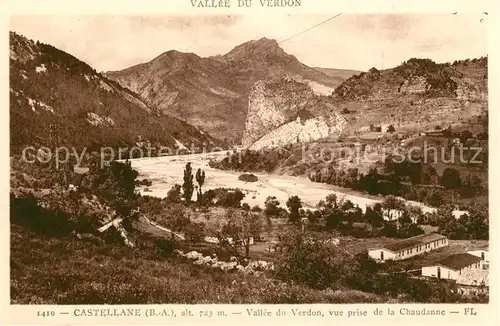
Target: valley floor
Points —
{"points": [[164, 172]]}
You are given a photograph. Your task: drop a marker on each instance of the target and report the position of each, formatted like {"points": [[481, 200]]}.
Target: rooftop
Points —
{"points": [[480, 247], [413, 241], [459, 261], [475, 277]]}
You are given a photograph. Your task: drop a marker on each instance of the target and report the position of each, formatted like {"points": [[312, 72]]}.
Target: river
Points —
{"points": [[165, 171]]}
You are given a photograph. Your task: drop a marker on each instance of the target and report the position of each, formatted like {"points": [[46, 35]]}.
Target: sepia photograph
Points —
{"points": [[244, 159]]}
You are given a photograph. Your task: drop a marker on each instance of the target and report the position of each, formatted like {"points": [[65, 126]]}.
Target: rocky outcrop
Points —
{"points": [[417, 85], [468, 91], [286, 111], [299, 131], [272, 104]]}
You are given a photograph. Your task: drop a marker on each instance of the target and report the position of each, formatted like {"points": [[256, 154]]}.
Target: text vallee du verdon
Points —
{"points": [[245, 3]]}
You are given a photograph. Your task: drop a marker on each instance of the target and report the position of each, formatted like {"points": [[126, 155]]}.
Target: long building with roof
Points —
{"points": [[407, 248], [453, 266]]}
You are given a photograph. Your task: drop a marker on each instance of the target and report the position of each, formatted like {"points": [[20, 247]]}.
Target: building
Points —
{"points": [[452, 267], [473, 281], [484, 254], [410, 247]]}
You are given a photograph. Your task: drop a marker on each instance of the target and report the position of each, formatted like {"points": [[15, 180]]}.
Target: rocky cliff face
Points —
{"points": [[285, 111], [300, 131], [417, 85], [271, 104]]}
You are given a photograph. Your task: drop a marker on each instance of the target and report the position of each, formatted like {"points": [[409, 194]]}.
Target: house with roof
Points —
{"points": [[410, 247], [484, 254], [452, 267]]}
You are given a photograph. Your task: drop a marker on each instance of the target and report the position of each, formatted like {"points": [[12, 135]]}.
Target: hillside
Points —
{"points": [[213, 92], [417, 95], [339, 74], [57, 99]]}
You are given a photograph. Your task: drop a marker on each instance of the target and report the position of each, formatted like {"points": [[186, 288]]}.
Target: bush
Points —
{"points": [[248, 177], [312, 261], [174, 194], [195, 232], [144, 182], [26, 211], [223, 197], [257, 209]]}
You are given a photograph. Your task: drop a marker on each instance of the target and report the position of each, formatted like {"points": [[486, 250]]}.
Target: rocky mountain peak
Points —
{"points": [[257, 48]]}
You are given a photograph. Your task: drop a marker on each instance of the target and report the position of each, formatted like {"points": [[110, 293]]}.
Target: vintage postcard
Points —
{"points": [[238, 161]]}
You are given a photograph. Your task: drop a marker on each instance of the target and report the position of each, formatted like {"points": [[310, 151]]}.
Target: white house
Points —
{"points": [[452, 267], [484, 254], [410, 247]]}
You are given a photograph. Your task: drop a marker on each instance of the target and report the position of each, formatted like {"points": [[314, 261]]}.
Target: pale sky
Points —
{"points": [[347, 42]]}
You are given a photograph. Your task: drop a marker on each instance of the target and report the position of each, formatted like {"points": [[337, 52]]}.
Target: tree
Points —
{"points": [[391, 129], [391, 204], [347, 205], [200, 178], [471, 187], [312, 260], [294, 204], [373, 217], [451, 180], [188, 186], [406, 227], [414, 212], [329, 203], [174, 194], [272, 204], [239, 230]]}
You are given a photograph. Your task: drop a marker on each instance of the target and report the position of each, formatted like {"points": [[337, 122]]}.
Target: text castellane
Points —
{"points": [[245, 3]]}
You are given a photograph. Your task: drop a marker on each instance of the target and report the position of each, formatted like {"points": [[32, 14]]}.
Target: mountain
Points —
{"points": [[56, 98], [212, 92]]}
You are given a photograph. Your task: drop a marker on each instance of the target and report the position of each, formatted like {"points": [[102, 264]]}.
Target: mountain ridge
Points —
{"points": [[207, 90]]}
